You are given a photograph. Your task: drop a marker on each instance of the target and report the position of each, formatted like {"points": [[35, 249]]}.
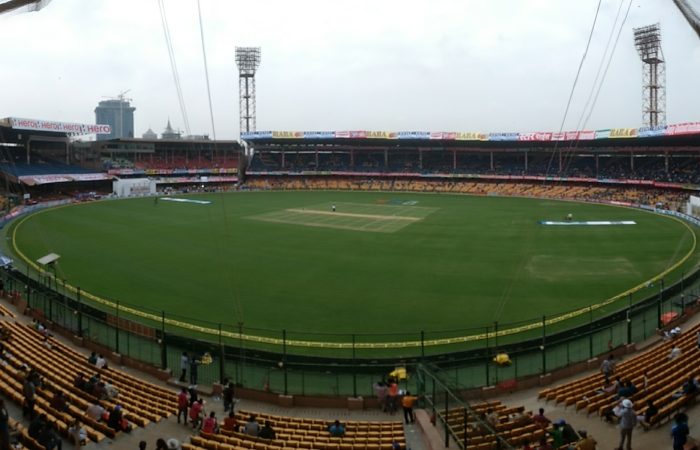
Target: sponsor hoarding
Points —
{"points": [[58, 127]]}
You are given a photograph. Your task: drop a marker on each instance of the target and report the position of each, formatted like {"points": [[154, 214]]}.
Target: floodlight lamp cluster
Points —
{"points": [[247, 60], [647, 40]]}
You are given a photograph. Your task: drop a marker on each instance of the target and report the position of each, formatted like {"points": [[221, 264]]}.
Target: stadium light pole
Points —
{"points": [[647, 40], [248, 61]]}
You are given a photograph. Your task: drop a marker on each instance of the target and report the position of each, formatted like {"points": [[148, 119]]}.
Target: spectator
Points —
{"points": [[568, 433], [161, 444], [29, 391], [380, 391], [92, 359], [79, 381], [492, 417], [628, 420], [4, 427], [77, 434], [675, 353], [252, 428], [210, 425], [608, 368], [267, 432], [392, 396], [230, 422], [142, 445], [193, 394], [36, 426], [182, 404], [698, 339], [395, 445], [407, 403], [540, 419], [196, 413], [690, 388], [115, 418], [101, 362], [95, 411], [109, 391], [228, 397], [59, 402], [336, 429], [48, 438], [194, 362], [649, 413], [627, 390], [184, 363], [174, 444], [680, 431], [586, 442], [556, 433]]}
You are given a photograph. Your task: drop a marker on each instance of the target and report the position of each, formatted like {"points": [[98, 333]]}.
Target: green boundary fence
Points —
{"points": [[352, 372]]}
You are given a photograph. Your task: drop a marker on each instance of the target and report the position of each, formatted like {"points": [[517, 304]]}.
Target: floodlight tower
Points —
{"points": [[648, 42], [248, 61]]}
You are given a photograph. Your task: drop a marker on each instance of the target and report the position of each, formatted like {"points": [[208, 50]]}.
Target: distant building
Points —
{"points": [[119, 114], [169, 133], [150, 135]]}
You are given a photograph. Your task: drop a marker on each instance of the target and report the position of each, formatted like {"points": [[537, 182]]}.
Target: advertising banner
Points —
{"points": [[287, 134], [382, 135], [602, 134], [414, 135], [570, 135], [586, 135], [58, 127], [358, 134], [683, 128], [471, 136], [659, 130], [558, 136], [319, 134], [342, 134], [503, 136], [623, 132]]}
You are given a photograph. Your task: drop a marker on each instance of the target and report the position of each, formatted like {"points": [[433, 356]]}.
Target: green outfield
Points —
{"points": [[378, 263]]}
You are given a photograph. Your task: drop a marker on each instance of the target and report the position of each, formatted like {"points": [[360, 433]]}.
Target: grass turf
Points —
{"points": [[446, 263]]}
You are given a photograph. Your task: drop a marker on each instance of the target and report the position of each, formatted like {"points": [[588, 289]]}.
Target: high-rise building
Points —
{"points": [[119, 114]]}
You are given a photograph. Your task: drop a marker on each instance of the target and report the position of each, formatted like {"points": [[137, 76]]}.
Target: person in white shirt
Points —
{"points": [[101, 362]]}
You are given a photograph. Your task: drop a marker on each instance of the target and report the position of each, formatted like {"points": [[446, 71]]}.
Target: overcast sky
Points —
{"points": [[440, 65]]}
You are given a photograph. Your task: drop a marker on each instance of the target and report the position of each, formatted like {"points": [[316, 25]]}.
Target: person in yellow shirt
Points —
{"points": [[407, 402], [586, 442]]}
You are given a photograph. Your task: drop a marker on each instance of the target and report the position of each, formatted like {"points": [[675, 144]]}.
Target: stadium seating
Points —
{"points": [[665, 378], [650, 197], [58, 366], [304, 433]]}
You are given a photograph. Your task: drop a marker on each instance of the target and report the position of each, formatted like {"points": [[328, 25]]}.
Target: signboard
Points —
{"points": [[414, 135], [683, 128], [623, 133], [382, 135], [58, 127], [287, 134]]}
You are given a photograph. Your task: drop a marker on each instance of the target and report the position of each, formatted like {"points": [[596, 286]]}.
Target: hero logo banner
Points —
{"points": [[59, 127]]}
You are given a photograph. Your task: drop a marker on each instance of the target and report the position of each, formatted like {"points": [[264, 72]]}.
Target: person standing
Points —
{"points": [[608, 368], [29, 391], [4, 427], [193, 370], [184, 363], [680, 431], [182, 404], [628, 420], [407, 403], [228, 397]]}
